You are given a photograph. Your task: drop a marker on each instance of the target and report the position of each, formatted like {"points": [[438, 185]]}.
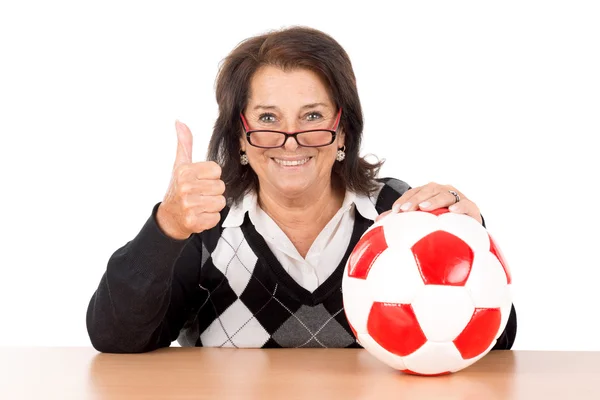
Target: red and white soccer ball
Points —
{"points": [[427, 293]]}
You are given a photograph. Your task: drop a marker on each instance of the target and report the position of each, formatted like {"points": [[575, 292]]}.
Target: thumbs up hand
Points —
{"points": [[195, 194]]}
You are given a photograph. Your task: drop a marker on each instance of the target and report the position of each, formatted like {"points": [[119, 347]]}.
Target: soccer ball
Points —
{"points": [[427, 293]]}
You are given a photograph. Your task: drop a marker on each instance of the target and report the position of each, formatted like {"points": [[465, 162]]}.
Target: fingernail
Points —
{"points": [[396, 208], [425, 204], [405, 206], [452, 208]]}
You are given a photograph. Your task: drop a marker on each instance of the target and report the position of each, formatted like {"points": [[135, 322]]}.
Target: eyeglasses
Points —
{"points": [[268, 139]]}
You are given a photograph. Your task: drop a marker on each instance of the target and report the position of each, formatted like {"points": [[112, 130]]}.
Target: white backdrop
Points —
{"points": [[501, 100]]}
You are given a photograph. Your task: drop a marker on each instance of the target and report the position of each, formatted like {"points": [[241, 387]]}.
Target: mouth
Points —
{"points": [[297, 162]]}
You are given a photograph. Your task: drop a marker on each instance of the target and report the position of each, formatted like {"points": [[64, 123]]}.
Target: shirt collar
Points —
{"points": [[365, 205]]}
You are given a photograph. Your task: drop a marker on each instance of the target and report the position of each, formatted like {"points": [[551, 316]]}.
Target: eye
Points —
{"points": [[267, 117], [314, 116]]}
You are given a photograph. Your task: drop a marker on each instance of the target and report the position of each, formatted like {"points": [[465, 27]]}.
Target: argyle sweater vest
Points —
{"points": [[250, 301]]}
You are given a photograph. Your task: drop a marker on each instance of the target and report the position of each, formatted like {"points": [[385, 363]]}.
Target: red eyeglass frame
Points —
{"points": [[292, 134]]}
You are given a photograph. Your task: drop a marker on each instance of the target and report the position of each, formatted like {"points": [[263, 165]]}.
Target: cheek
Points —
{"points": [[255, 154], [327, 157]]}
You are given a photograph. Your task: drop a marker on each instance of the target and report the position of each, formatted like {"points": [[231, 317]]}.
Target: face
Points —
{"points": [[290, 101]]}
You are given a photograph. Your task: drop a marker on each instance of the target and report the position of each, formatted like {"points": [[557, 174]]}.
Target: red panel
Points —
{"points": [[395, 328], [494, 249], [408, 371], [439, 211], [479, 333], [443, 259], [366, 251]]}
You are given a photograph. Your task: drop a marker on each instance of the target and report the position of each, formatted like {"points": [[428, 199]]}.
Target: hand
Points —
{"points": [[431, 197], [195, 194]]}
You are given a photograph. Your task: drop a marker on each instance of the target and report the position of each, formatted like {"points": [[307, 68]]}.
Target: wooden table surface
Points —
{"points": [[205, 373]]}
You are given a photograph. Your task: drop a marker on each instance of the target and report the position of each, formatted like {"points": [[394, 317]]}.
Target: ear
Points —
{"points": [[242, 143], [341, 138]]}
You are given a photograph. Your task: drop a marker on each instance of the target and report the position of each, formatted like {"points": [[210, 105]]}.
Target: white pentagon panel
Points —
{"points": [[435, 358], [404, 229], [487, 281], [443, 311], [395, 277], [467, 229], [379, 352], [357, 302]]}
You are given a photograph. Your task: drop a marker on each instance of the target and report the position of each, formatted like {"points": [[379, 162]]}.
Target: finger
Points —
{"points": [[205, 170], [206, 187], [406, 198], [184, 144], [440, 200], [199, 203], [467, 207], [201, 221], [420, 196]]}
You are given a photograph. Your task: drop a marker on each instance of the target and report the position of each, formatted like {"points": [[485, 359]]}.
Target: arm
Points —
{"points": [[506, 340], [147, 292]]}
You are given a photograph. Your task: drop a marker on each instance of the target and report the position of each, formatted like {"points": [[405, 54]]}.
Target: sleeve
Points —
{"points": [[146, 293], [507, 338]]}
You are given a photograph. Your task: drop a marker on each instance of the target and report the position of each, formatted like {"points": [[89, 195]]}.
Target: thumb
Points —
{"points": [[184, 144]]}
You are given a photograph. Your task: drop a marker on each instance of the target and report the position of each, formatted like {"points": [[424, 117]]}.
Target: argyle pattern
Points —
{"points": [[250, 301]]}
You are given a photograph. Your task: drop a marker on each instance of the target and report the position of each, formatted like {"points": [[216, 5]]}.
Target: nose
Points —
{"points": [[290, 143]]}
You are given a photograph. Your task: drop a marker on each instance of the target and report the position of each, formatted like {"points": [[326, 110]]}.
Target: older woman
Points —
{"points": [[248, 249]]}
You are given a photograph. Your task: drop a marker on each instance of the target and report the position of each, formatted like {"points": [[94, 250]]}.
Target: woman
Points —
{"points": [[248, 249]]}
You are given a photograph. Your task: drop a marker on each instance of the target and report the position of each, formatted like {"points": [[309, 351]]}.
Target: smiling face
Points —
{"points": [[290, 101]]}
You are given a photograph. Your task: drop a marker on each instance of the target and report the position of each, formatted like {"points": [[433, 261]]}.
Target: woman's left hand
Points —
{"points": [[433, 196]]}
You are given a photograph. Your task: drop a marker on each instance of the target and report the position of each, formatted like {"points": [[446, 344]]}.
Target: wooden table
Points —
{"points": [[198, 373]]}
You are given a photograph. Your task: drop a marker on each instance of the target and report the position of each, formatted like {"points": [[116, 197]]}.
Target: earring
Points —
{"points": [[341, 154], [243, 158]]}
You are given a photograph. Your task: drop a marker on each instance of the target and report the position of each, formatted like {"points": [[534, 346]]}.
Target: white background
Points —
{"points": [[500, 99]]}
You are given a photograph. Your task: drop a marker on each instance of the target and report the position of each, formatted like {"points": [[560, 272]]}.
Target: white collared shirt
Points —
{"points": [[325, 253]]}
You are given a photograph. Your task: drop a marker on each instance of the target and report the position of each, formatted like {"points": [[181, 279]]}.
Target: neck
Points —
{"points": [[315, 207]]}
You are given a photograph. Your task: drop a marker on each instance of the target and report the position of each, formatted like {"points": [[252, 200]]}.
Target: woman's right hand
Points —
{"points": [[195, 194]]}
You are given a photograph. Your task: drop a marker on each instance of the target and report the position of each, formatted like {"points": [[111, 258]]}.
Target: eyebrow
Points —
{"points": [[270, 107]]}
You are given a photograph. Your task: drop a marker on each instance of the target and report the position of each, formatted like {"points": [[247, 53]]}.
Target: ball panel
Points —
{"points": [[357, 302], [435, 358], [366, 251], [466, 228], [487, 281], [380, 353], [395, 328], [403, 230], [439, 211], [479, 332], [495, 250], [395, 277], [408, 371], [443, 259], [443, 311], [505, 312]]}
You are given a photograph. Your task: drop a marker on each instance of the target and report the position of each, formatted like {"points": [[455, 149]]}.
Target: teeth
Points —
{"points": [[291, 163]]}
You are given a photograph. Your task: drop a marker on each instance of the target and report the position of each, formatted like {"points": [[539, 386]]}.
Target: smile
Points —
{"points": [[291, 163]]}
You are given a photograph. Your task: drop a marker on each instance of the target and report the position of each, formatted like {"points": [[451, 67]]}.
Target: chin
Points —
{"points": [[291, 187]]}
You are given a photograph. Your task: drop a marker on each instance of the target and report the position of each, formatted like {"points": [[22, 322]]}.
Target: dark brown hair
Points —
{"points": [[291, 48]]}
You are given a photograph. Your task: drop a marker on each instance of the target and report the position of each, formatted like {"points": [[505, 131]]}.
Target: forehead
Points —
{"points": [[277, 87]]}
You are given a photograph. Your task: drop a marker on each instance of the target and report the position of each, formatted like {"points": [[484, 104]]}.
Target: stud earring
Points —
{"points": [[341, 154], [243, 158]]}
